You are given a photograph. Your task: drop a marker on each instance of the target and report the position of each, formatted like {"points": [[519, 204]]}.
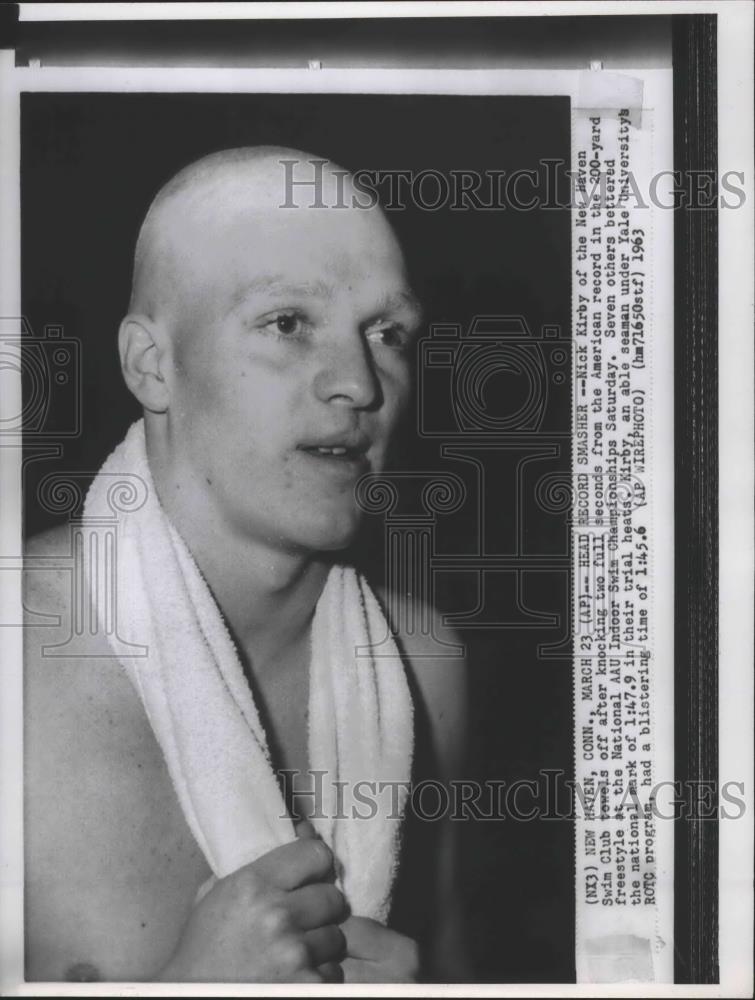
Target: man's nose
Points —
{"points": [[347, 376]]}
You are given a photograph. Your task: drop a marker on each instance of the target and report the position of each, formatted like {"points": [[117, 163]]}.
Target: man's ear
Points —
{"points": [[142, 362]]}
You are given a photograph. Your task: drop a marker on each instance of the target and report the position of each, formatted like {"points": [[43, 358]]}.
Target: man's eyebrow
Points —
{"points": [[276, 284], [396, 301]]}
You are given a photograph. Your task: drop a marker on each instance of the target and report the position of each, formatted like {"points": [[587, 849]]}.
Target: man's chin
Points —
{"points": [[331, 535], [332, 542]]}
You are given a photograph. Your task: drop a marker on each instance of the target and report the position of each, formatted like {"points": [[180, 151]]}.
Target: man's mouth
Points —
{"points": [[337, 451], [348, 451]]}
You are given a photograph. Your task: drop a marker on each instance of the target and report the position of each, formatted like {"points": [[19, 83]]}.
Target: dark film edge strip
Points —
{"points": [[696, 503]]}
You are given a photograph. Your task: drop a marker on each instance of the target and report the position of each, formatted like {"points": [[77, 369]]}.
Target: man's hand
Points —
{"points": [[376, 954], [274, 920]]}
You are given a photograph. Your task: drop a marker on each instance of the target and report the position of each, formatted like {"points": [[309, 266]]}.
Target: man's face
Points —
{"points": [[291, 368]]}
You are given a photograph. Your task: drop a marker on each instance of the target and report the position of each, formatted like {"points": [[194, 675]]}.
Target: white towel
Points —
{"points": [[202, 711]]}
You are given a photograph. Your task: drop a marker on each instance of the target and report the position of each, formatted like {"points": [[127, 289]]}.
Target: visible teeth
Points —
{"points": [[332, 451]]}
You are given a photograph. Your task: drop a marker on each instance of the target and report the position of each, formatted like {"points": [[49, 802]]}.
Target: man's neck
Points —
{"points": [[266, 593], [267, 597]]}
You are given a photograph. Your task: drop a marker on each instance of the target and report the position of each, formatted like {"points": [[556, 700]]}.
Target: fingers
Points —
{"points": [[365, 938], [357, 970], [305, 830], [325, 944], [370, 944], [295, 864], [316, 905], [331, 972]]}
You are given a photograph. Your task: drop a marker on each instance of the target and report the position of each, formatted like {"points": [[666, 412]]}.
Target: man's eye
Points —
{"points": [[388, 334], [286, 324]]}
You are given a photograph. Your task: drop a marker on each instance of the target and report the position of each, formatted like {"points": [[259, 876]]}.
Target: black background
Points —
{"points": [[91, 164]]}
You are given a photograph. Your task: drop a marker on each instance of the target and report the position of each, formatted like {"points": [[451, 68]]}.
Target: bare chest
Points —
{"points": [[112, 867], [282, 695]]}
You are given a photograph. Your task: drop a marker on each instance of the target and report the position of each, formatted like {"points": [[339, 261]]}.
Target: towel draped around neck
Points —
{"points": [[202, 710]]}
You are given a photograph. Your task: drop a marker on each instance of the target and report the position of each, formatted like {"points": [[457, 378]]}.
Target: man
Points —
{"points": [[270, 350]]}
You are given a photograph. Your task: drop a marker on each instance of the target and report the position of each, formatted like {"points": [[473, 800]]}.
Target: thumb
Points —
{"points": [[366, 939], [305, 830]]}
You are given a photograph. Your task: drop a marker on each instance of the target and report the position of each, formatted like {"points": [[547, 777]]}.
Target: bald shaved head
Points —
{"points": [[268, 319], [217, 190]]}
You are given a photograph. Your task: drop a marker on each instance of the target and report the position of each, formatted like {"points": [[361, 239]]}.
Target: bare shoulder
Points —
{"points": [[83, 723], [435, 655], [99, 816], [55, 670], [45, 573]]}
